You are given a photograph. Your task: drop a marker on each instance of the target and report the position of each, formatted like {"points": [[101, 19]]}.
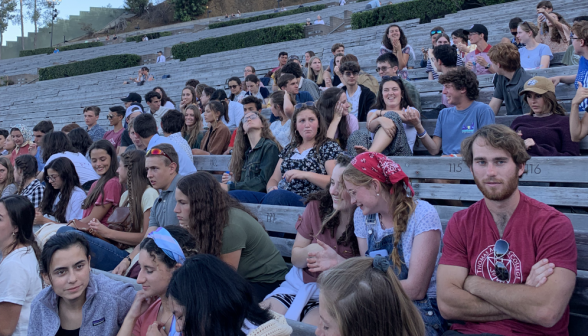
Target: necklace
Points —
{"points": [[168, 319]]}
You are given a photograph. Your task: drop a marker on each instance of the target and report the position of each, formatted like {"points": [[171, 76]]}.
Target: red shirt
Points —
{"points": [[309, 226], [534, 231], [232, 142], [111, 194]]}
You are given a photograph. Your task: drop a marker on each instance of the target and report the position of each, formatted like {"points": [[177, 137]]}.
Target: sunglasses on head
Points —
{"points": [[301, 105], [433, 32], [157, 151], [501, 248]]}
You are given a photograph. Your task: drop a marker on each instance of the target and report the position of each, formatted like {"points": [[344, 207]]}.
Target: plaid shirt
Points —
{"points": [[96, 133], [34, 192]]}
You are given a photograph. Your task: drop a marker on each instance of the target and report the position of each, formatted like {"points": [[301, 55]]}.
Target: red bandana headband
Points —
{"points": [[378, 166]]}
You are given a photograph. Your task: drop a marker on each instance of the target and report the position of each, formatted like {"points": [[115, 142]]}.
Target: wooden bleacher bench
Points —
{"points": [[539, 170]]}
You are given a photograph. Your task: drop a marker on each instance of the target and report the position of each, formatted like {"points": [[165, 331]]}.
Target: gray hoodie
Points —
{"points": [[107, 304]]}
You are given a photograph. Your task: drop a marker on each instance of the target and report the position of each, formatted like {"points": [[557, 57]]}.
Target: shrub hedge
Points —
{"points": [[425, 10], [237, 41], [99, 64], [151, 36], [47, 51], [267, 16]]}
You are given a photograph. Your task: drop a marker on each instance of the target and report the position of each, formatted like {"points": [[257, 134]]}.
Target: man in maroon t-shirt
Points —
{"points": [[509, 262]]}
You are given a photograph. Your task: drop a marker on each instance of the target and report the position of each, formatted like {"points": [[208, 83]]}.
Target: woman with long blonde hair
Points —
{"points": [[255, 153], [193, 126], [391, 223], [316, 71], [357, 283], [324, 238]]}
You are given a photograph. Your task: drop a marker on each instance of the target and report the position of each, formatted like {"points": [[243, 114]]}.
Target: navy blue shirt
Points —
{"points": [[303, 97]]}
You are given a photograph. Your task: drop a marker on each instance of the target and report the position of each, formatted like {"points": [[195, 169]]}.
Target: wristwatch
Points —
{"points": [[487, 66]]}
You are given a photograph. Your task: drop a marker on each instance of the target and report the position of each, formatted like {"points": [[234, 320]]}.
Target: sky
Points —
{"points": [[66, 8]]}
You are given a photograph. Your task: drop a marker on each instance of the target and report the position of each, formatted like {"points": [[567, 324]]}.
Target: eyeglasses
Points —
{"points": [[157, 151], [233, 86], [51, 178], [384, 69], [252, 116], [500, 250], [301, 105], [110, 116], [350, 73], [433, 32]]}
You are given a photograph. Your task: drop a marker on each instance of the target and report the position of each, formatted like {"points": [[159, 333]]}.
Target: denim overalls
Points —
{"points": [[434, 323]]}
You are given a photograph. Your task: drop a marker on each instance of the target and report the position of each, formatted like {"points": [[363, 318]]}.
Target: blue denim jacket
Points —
{"points": [[260, 163]]}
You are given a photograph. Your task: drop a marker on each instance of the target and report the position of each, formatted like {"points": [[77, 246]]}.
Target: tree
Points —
{"points": [[35, 8], [7, 7], [186, 10], [88, 29], [136, 6]]}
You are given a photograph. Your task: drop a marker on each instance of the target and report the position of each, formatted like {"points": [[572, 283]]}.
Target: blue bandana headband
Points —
{"points": [[168, 244]]}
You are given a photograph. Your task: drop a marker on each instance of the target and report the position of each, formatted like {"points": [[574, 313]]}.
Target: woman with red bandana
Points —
{"points": [[390, 222]]}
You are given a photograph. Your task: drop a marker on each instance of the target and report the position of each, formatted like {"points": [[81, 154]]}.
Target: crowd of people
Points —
{"points": [[366, 257]]}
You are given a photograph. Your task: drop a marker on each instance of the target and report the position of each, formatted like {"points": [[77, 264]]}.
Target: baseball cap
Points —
{"points": [[539, 85], [132, 109], [479, 28], [132, 97]]}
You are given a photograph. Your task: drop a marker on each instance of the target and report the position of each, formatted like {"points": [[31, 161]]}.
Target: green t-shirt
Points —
{"points": [[260, 260]]}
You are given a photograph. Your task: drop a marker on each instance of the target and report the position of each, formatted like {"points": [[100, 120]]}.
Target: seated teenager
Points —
{"points": [[392, 223], [432, 67], [316, 71], [234, 84], [19, 269], [390, 134], [217, 137], [555, 32], [254, 156], [546, 130], [394, 41], [305, 164], [7, 185], [145, 129], [57, 145], [289, 83], [77, 302], [387, 65], [63, 196], [334, 107], [282, 105], [161, 163], [253, 89], [193, 126], [207, 289], [163, 251], [347, 289], [25, 172], [188, 98], [80, 141], [335, 73], [224, 228], [360, 97], [234, 109], [534, 55], [324, 238], [509, 261], [22, 138], [460, 86], [171, 124], [304, 85], [165, 100]]}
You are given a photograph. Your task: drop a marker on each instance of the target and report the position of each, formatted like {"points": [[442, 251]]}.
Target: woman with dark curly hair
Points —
{"points": [[224, 228], [325, 238], [394, 41]]}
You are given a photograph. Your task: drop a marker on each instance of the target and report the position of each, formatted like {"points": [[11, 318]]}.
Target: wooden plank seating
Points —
{"points": [[538, 169]]}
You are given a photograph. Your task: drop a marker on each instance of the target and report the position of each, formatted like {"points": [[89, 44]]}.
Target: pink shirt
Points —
{"points": [[471, 57], [111, 194], [114, 137]]}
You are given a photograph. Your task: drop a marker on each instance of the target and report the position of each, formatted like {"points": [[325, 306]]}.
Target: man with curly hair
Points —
{"points": [[456, 123]]}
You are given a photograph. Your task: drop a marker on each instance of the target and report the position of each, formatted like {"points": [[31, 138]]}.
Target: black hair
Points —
{"points": [[386, 41], [460, 33], [164, 97], [405, 102], [282, 53], [216, 299], [514, 23], [44, 126], [580, 18], [150, 95], [120, 110], [389, 58], [292, 68], [67, 172], [172, 121], [192, 82], [284, 79], [145, 125], [447, 54], [186, 241], [326, 105], [234, 79], [209, 91], [22, 214], [252, 78], [80, 140], [217, 106], [110, 172], [252, 100], [4, 133], [462, 78], [28, 164], [56, 142], [221, 96], [349, 66], [61, 241]]}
